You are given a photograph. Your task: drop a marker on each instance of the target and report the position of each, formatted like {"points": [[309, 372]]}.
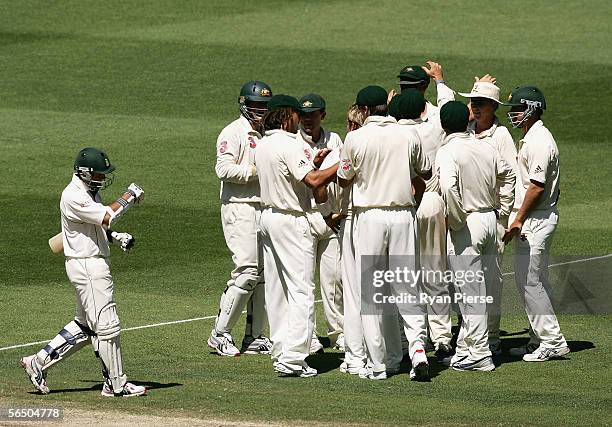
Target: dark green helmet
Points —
{"points": [[529, 97], [254, 91], [91, 161]]}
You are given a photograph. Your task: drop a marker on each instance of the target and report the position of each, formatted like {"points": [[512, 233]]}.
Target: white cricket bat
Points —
{"points": [[56, 243]]}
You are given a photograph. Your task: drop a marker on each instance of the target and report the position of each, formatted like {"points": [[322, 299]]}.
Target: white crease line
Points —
{"points": [[576, 261], [174, 322], [133, 328]]}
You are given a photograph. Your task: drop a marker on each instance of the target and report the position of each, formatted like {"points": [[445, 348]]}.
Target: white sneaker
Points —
{"points": [[129, 390], [345, 368], [315, 345], [526, 349], [223, 344], [420, 367], [34, 371], [305, 372], [485, 364], [340, 343], [542, 354], [366, 373], [259, 345]]}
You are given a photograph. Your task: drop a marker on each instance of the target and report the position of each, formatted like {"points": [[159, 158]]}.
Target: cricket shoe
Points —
{"points": [[420, 367], [366, 373], [34, 371], [315, 346], [444, 351], [340, 343], [284, 370], [526, 349], [259, 345], [129, 390], [542, 354], [223, 344], [345, 368], [485, 364]]}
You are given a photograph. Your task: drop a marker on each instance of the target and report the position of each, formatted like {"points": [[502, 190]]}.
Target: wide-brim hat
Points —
{"points": [[483, 90]]}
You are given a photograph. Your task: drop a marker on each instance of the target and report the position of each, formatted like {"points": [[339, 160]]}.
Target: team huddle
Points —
{"points": [[414, 187]]}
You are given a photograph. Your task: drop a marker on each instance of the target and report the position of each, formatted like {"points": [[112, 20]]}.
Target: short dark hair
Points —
{"points": [[378, 110], [277, 118]]}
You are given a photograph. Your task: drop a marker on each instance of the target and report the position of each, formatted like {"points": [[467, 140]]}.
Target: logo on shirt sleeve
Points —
{"points": [[301, 164], [252, 142], [223, 147], [346, 164], [538, 169], [308, 155]]}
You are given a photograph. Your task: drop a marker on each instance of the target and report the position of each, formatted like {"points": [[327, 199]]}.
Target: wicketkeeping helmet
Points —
{"points": [[529, 96], [92, 161], [254, 91]]}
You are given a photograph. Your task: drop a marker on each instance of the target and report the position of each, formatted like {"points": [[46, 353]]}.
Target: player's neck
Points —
{"points": [[482, 126]]}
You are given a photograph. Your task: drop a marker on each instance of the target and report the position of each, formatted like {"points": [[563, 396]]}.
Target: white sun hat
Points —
{"points": [[483, 90]]}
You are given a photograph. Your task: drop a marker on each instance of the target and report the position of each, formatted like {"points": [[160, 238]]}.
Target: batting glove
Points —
{"points": [[137, 192], [124, 240]]}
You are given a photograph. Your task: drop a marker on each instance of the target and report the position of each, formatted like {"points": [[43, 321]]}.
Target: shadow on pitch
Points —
{"points": [[325, 362], [97, 386]]}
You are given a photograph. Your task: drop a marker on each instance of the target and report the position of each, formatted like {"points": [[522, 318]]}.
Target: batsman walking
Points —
{"points": [[86, 235]]}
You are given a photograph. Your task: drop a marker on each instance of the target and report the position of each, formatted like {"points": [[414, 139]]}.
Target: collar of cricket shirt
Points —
{"points": [[532, 130], [456, 135], [281, 132], [308, 138], [410, 121], [380, 120], [489, 132]]}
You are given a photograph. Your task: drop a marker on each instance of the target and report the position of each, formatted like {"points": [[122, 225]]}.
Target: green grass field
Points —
{"points": [[153, 83]]}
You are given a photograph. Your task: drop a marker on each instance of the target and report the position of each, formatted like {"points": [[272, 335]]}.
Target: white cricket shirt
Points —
{"points": [[81, 214], [538, 159], [382, 157], [468, 169], [236, 146], [281, 166]]}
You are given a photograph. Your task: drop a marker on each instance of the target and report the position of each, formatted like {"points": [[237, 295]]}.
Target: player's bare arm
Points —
{"points": [[318, 178], [534, 192]]}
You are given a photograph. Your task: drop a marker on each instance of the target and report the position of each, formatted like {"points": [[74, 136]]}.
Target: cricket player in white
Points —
{"points": [[240, 212], [469, 170], [355, 357], [288, 244], [535, 222], [484, 101], [86, 234], [327, 246], [382, 159], [431, 223]]}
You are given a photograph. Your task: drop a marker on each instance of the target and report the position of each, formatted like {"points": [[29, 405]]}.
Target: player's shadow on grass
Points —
{"points": [[150, 385], [325, 362]]}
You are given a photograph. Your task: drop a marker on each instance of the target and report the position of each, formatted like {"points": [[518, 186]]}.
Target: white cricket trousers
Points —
{"points": [[531, 276], [355, 351], [472, 258], [289, 264], [383, 232], [327, 255], [92, 280], [432, 244], [245, 287]]}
